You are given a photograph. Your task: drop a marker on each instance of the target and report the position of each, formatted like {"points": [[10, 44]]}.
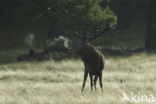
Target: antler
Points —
{"points": [[82, 37], [85, 35]]}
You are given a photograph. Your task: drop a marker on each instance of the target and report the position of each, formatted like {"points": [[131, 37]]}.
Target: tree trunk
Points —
{"points": [[150, 27]]}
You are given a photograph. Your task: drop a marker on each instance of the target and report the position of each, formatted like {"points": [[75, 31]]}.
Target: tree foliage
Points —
{"points": [[20, 17]]}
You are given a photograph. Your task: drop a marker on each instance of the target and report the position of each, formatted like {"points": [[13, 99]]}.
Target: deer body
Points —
{"points": [[92, 58], [93, 62]]}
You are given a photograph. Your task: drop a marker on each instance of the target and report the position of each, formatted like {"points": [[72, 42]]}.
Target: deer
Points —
{"points": [[92, 58]]}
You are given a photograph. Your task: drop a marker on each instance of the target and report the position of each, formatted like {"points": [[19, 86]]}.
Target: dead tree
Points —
{"points": [[93, 59]]}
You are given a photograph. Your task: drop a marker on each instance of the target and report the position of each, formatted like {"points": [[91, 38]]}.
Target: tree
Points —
{"points": [[20, 17], [150, 27]]}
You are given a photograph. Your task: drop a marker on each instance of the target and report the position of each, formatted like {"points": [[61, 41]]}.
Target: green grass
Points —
{"points": [[51, 82]]}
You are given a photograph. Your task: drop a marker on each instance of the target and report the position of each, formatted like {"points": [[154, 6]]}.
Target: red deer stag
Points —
{"points": [[93, 59]]}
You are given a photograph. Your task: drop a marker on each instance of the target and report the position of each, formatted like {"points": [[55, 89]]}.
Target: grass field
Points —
{"points": [[53, 82]]}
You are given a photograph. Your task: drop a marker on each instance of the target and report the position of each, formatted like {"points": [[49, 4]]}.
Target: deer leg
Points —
{"points": [[84, 81], [100, 81], [91, 81], [95, 79]]}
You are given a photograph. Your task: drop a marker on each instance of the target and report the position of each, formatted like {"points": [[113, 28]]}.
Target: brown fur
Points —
{"points": [[93, 61]]}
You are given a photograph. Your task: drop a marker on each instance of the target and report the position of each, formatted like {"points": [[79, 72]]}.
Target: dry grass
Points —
{"points": [[53, 82]]}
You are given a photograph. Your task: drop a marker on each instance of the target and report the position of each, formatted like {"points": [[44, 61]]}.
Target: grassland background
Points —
{"points": [[51, 82]]}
